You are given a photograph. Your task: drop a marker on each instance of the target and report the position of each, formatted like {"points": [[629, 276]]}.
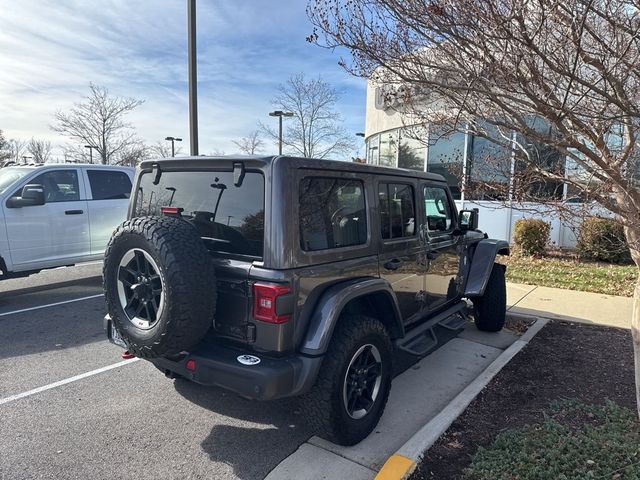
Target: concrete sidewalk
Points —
{"points": [[571, 305], [418, 395], [424, 391]]}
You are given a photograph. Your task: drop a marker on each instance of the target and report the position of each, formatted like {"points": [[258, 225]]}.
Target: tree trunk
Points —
{"points": [[633, 238], [635, 332]]}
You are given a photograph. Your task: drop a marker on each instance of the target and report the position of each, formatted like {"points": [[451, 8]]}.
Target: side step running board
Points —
{"points": [[422, 339]]}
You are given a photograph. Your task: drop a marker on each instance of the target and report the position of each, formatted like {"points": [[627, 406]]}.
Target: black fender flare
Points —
{"points": [[482, 262], [330, 305]]}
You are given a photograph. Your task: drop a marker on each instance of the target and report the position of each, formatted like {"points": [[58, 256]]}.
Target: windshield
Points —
{"points": [[230, 219], [10, 175]]}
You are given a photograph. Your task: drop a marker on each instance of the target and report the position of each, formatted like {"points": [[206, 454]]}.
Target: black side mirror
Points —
{"points": [[468, 220], [32, 195]]}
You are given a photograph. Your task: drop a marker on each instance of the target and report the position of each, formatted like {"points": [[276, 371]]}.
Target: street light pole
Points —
{"points": [[172, 140], [280, 114], [90, 147], [193, 77]]}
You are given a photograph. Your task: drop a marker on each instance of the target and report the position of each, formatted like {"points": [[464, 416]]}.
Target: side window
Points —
{"points": [[109, 184], [397, 210], [59, 186], [332, 213], [438, 209]]}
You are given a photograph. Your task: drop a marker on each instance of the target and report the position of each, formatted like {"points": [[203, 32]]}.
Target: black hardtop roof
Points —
{"points": [[296, 162]]}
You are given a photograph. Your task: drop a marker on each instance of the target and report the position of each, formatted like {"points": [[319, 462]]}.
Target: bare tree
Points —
{"points": [[99, 121], [133, 154], [17, 150], [5, 148], [250, 144], [561, 76], [162, 149], [40, 150], [315, 130]]}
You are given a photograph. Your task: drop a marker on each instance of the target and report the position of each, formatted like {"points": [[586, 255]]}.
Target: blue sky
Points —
{"points": [[50, 51]]}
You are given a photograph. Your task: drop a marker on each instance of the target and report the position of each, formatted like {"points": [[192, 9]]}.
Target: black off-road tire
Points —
{"points": [[188, 279], [490, 310], [324, 404]]}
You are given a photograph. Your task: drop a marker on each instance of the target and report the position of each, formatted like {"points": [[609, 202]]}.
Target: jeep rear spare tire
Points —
{"points": [[159, 284]]}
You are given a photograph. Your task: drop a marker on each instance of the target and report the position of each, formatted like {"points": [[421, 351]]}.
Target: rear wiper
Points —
{"points": [[158, 173]]}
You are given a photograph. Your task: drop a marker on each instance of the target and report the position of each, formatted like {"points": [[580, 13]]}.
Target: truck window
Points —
{"points": [[397, 210], [438, 210], [109, 184], [59, 186], [332, 213]]}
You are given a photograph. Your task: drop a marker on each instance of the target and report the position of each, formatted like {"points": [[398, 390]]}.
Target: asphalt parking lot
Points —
{"points": [[71, 408], [128, 421]]}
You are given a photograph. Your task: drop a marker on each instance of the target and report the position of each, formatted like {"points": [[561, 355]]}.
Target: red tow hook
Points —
{"points": [[127, 355]]}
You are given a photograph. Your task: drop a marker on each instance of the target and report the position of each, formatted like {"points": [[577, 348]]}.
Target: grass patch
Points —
{"points": [[575, 442], [571, 273]]}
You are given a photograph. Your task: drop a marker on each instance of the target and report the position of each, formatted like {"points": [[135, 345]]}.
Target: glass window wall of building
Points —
{"points": [[412, 149], [485, 164], [445, 156], [388, 151]]}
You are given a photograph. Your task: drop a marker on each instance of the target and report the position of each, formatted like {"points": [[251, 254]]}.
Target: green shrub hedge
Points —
{"points": [[531, 236], [603, 239]]}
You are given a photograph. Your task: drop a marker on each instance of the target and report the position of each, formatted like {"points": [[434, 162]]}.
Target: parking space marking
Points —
{"points": [[50, 305], [66, 381]]}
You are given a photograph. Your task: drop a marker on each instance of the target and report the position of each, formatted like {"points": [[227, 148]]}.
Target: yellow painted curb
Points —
{"points": [[396, 467]]}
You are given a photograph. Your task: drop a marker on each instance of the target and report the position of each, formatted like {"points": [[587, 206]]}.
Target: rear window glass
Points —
{"points": [[332, 213], [230, 219]]}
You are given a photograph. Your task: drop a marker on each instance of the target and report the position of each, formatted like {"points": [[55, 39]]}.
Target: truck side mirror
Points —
{"points": [[468, 220], [32, 195]]}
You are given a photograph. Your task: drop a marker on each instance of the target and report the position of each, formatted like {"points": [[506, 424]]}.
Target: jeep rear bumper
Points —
{"points": [[218, 365]]}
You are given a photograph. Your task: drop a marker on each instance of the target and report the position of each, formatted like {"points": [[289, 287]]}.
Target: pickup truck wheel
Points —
{"points": [[159, 285], [353, 385], [490, 310]]}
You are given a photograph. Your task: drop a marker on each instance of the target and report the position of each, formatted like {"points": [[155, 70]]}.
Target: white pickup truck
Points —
{"points": [[59, 214]]}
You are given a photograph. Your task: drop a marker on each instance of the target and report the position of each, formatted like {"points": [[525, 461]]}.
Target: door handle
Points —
{"points": [[73, 212], [393, 264]]}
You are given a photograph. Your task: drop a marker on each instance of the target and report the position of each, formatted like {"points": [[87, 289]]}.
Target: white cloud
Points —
{"points": [[50, 51]]}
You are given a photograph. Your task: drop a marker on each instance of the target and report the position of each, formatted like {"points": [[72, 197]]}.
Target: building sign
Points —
{"points": [[394, 96]]}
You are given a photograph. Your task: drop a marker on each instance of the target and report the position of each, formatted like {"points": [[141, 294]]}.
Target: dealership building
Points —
{"points": [[391, 140]]}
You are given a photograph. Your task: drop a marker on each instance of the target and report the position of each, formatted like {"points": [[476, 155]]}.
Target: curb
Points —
{"points": [[402, 463]]}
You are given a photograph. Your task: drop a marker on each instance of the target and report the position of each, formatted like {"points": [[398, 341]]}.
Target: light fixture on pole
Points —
{"points": [[280, 114], [91, 148], [172, 140]]}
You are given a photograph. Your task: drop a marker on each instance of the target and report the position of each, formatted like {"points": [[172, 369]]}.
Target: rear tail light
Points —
{"points": [[171, 211], [266, 306]]}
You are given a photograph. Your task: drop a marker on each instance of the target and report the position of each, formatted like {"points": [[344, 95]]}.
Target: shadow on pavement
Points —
{"points": [[273, 430], [57, 328], [94, 281]]}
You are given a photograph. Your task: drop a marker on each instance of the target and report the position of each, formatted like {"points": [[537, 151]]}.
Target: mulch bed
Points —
{"points": [[563, 361]]}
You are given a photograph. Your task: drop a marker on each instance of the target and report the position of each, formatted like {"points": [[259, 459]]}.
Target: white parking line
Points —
{"points": [[51, 305], [18, 396]]}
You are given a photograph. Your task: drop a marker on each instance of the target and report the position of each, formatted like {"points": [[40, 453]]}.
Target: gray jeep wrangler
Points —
{"points": [[280, 276]]}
